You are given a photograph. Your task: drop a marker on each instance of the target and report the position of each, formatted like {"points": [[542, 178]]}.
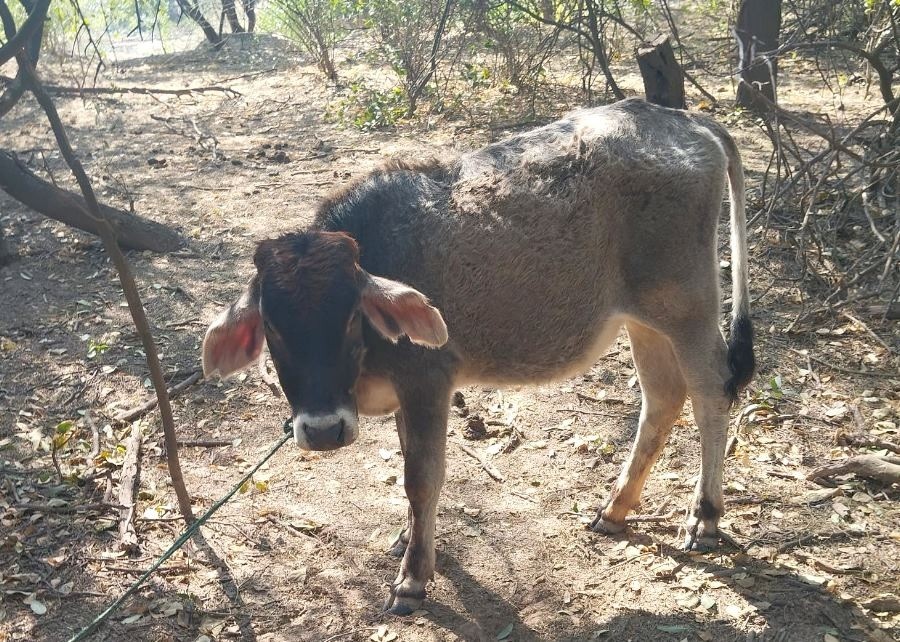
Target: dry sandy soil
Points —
{"points": [[301, 553]]}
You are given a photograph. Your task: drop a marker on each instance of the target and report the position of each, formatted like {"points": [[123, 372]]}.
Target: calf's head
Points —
{"points": [[307, 300]]}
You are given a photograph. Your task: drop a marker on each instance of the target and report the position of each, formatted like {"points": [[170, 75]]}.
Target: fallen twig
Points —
{"points": [[254, 74], [598, 413], [585, 397], [82, 91], [643, 519], [864, 441], [868, 330], [886, 469], [796, 542], [206, 443], [488, 468], [609, 570], [207, 142], [267, 378], [150, 404], [831, 366], [822, 565], [139, 571], [67, 508], [128, 485], [95, 436]]}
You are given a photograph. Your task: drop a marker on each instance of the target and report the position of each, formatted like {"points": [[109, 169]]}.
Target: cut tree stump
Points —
{"points": [[132, 231], [663, 78]]}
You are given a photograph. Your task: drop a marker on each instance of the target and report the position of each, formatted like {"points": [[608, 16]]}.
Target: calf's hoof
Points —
{"points": [[605, 526], [403, 602], [700, 540]]}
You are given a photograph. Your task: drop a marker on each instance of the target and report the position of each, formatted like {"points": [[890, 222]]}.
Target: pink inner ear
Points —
{"points": [[247, 338], [395, 309], [233, 341]]}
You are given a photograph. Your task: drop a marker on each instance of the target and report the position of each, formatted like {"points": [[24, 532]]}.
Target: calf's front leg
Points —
{"points": [[398, 546], [422, 423]]}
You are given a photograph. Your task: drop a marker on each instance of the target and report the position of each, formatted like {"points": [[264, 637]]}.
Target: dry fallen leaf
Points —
{"points": [[707, 602], [383, 634], [38, 607]]}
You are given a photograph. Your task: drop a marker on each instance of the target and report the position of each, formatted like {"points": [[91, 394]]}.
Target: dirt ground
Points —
{"points": [[300, 554]]}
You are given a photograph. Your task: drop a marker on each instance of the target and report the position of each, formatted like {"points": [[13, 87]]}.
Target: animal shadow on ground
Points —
{"points": [[485, 612]]}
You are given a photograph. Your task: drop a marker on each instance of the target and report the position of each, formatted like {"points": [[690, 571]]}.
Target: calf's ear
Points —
{"points": [[235, 339], [394, 309]]}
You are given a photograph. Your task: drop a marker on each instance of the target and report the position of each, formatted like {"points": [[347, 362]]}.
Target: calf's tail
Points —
{"points": [[741, 361]]}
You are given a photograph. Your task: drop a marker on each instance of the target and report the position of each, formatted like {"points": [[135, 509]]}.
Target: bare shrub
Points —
{"points": [[317, 26]]}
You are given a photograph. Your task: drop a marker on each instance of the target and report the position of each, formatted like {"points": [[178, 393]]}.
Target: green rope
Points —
{"points": [[193, 528]]}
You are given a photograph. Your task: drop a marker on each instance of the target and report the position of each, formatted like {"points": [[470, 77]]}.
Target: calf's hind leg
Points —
{"points": [[663, 393], [703, 356]]}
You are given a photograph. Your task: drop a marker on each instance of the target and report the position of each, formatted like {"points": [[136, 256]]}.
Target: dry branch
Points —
{"points": [[206, 443], [150, 404], [864, 441], [39, 507], [95, 91], [131, 230], [644, 519], [488, 468], [32, 24], [128, 485], [270, 380], [16, 88], [108, 235], [891, 313], [885, 469]]}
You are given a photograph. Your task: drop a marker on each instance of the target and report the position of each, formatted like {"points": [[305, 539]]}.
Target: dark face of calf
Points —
{"points": [[308, 301]]}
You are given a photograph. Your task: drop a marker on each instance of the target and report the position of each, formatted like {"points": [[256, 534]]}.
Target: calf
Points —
{"points": [[517, 263]]}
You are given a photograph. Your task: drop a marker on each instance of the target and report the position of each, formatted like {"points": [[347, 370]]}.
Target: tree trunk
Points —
{"points": [[756, 31], [193, 11], [231, 14], [7, 255], [598, 48], [548, 10], [250, 11], [663, 79], [133, 231]]}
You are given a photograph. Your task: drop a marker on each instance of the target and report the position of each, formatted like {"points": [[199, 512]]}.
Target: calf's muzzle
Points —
{"points": [[324, 432]]}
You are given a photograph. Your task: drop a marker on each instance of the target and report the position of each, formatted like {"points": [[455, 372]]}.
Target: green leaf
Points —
{"points": [[64, 426], [505, 632]]}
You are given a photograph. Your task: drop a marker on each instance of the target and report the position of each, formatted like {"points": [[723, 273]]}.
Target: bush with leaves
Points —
{"points": [[366, 108], [411, 33]]}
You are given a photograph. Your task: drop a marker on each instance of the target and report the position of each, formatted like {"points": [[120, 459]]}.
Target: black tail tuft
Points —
{"points": [[741, 361]]}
